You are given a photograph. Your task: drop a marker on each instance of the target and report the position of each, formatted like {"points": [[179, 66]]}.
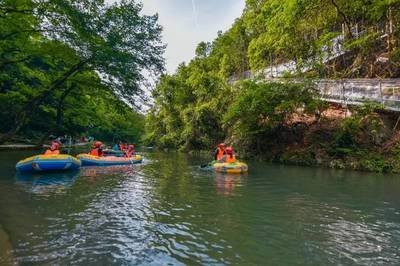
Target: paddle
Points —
{"points": [[131, 160], [207, 165]]}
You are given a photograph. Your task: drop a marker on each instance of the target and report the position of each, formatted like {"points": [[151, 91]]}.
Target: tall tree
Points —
{"points": [[116, 41]]}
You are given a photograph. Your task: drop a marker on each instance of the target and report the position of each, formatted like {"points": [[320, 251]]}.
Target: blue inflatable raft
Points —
{"points": [[48, 163], [90, 160]]}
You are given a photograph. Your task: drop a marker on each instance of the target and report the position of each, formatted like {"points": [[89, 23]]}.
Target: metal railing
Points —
{"points": [[358, 91], [354, 91]]}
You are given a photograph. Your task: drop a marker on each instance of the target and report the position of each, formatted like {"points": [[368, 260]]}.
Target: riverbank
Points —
{"points": [[340, 138], [16, 146], [354, 138]]}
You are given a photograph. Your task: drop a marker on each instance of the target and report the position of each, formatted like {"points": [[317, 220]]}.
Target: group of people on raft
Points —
{"points": [[224, 154], [97, 149], [127, 149]]}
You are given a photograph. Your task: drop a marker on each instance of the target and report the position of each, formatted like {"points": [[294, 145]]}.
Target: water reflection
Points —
{"points": [[43, 183], [226, 183], [96, 171]]}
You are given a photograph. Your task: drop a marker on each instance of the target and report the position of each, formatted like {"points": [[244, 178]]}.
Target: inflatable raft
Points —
{"points": [[47, 163], [90, 160], [230, 168], [113, 153]]}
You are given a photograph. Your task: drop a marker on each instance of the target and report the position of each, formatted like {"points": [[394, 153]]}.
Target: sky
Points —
{"points": [[188, 22]]}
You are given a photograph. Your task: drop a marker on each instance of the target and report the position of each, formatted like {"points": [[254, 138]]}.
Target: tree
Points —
{"points": [[115, 41]]}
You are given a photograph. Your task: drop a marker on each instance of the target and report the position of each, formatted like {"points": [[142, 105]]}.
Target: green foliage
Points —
{"points": [[375, 163], [299, 157], [362, 127], [260, 107], [70, 67], [189, 108], [284, 30]]}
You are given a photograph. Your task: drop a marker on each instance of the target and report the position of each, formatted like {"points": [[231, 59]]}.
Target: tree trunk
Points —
{"points": [[346, 20], [390, 38], [59, 116]]}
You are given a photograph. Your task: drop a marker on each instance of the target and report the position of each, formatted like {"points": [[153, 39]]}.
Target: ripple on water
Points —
{"points": [[168, 212]]}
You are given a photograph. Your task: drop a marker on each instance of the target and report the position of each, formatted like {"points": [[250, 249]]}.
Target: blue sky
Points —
{"points": [[184, 28]]}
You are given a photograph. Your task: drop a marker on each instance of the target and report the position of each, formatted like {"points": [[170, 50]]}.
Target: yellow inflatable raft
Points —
{"points": [[231, 168]]}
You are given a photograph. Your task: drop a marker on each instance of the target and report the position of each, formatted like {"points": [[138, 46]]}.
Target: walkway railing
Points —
{"points": [[358, 91], [354, 91]]}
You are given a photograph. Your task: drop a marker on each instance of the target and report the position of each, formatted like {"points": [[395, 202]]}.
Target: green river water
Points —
{"points": [[168, 212]]}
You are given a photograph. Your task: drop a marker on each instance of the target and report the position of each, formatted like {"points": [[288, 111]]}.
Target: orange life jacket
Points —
{"points": [[50, 152], [220, 154], [96, 152], [230, 159]]}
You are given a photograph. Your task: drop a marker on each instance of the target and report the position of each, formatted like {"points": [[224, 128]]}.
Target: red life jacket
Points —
{"points": [[96, 152]]}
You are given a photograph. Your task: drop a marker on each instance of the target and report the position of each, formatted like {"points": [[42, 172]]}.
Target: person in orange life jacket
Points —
{"points": [[54, 149], [229, 157], [130, 151], [97, 149], [121, 146], [219, 152]]}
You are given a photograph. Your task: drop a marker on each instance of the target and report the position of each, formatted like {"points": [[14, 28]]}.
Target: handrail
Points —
{"points": [[356, 91]]}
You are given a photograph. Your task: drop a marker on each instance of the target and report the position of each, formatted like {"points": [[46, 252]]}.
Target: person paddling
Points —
{"points": [[54, 149], [97, 149], [219, 152]]}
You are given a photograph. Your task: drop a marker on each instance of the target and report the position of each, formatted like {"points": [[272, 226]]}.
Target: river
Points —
{"points": [[167, 211]]}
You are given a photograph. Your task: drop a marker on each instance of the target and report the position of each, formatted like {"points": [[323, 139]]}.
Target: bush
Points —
{"points": [[260, 108]]}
